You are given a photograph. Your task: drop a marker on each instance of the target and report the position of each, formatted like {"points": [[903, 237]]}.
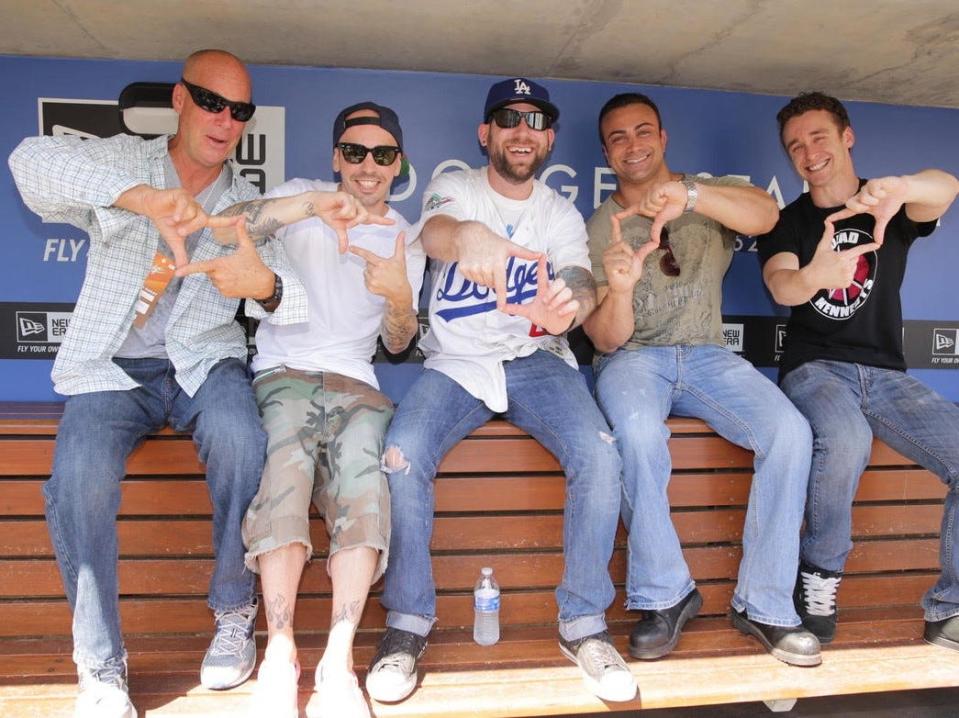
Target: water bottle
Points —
{"points": [[486, 609]]}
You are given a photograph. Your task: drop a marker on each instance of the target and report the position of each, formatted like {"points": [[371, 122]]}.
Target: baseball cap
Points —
{"points": [[519, 89], [387, 120]]}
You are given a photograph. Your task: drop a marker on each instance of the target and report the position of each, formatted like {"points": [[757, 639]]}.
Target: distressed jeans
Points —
{"points": [[96, 435], [550, 400], [846, 405], [638, 389]]}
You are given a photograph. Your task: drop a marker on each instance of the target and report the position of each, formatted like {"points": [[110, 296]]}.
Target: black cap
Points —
{"points": [[387, 119], [519, 89]]}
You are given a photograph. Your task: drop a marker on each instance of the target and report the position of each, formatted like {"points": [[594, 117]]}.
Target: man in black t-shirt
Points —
{"points": [[838, 257]]}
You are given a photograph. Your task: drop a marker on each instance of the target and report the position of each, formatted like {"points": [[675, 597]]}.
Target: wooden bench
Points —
{"points": [[499, 501]]}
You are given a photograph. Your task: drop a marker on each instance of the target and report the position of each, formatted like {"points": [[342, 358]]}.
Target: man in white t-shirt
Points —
{"points": [[321, 406], [511, 276]]}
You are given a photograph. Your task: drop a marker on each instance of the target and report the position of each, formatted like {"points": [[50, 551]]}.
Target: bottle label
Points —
{"points": [[486, 603]]}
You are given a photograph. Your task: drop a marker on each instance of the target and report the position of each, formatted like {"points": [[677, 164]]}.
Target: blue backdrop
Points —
{"points": [[709, 131]]}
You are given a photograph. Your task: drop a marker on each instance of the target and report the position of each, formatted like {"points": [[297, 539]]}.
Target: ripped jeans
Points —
{"points": [[550, 400]]}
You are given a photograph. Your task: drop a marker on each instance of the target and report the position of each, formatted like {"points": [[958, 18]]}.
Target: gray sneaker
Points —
{"points": [[103, 693], [232, 653], [392, 674], [605, 673]]}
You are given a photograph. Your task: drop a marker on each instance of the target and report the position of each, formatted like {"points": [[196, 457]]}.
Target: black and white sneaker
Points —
{"points": [[392, 674], [815, 599]]}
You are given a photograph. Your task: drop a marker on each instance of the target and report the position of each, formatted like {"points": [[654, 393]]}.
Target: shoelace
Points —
{"points": [[601, 653], [231, 631], [820, 594], [397, 648]]}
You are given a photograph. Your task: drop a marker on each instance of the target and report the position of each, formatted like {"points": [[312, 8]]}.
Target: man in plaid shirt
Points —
{"points": [[148, 346]]}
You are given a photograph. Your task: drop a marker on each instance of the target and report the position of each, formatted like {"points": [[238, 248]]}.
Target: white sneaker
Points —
{"points": [[337, 695], [103, 693], [276, 692]]}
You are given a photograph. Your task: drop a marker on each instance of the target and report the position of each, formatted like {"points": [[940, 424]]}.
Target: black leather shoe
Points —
{"points": [[943, 633], [658, 632], [790, 644]]}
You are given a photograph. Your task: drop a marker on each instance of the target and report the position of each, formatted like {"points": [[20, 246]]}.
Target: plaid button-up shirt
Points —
{"points": [[74, 181]]}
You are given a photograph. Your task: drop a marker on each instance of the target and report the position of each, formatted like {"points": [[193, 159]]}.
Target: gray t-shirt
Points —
{"points": [[673, 310], [150, 340]]}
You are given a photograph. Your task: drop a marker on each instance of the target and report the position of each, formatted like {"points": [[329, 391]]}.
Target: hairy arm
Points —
{"points": [[399, 325], [580, 281], [613, 322]]}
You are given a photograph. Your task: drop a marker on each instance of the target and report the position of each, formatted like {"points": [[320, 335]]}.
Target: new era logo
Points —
{"points": [[944, 342], [733, 336], [31, 326]]}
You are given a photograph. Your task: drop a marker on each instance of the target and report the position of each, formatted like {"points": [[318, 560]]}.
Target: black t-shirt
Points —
{"points": [[863, 322]]}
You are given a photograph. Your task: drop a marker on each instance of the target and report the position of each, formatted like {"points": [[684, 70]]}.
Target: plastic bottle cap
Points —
{"points": [[486, 571]]}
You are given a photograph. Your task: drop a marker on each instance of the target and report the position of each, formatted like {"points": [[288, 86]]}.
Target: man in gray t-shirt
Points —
{"points": [[660, 246]]}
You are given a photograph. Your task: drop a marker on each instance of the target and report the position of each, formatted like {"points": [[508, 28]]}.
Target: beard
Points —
{"points": [[515, 174]]}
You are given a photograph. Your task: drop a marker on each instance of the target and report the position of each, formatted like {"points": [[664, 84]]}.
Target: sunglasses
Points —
{"points": [[667, 262], [211, 102], [383, 155], [507, 118]]}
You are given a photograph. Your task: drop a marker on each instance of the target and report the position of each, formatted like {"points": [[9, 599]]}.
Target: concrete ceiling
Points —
{"points": [[891, 51]]}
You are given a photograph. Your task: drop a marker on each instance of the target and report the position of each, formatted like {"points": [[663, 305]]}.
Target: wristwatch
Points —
{"points": [[692, 194], [273, 301]]}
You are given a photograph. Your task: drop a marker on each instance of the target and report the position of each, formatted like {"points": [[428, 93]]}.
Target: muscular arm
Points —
{"points": [[580, 281], [444, 237], [613, 322], [929, 194], [788, 284], [745, 210]]}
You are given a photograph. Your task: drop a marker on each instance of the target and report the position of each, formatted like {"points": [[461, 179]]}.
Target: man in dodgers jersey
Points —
{"points": [[511, 277], [837, 257], [320, 403]]}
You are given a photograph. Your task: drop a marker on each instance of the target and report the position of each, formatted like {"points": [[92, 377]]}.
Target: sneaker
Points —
{"points": [[337, 695], [604, 671], [943, 633], [815, 599], [232, 653], [276, 691], [103, 693], [392, 674], [657, 633], [790, 644]]}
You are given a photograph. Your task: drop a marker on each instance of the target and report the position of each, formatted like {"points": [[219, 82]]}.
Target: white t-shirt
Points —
{"points": [[469, 339], [340, 334]]}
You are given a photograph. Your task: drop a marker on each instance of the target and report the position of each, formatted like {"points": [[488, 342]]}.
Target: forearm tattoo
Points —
{"points": [[261, 215], [278, 612], [397, 329], [349, 612], [581, 283]]}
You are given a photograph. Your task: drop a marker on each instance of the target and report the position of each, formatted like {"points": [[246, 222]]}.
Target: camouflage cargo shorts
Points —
{"points": [[325, 437]]}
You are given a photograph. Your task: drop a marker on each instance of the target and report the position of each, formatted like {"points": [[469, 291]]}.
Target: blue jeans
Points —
{"points": [[637, 389], [97, 433], [846, 405], [550, 400]]}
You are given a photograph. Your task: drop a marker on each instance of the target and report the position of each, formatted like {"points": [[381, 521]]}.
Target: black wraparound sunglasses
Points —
{"points": [[383, 155], [507, 118], [211, 102]]}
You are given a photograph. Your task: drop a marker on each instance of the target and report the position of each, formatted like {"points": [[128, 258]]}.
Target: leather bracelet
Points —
{"points": [[273, 301]]}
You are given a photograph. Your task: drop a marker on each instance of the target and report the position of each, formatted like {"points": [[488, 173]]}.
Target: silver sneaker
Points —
{"points": [[232, 653], [605, 673], [103, 693], [392, 673]]}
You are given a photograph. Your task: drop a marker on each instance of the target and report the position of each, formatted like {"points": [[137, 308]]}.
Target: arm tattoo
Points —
{"points": [[278, 613], [260, 221], [583, 286], [397, 329], [349, 612]]}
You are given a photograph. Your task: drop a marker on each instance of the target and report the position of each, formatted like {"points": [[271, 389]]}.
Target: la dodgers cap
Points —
{"points": [[386, 119], [519, 89]]}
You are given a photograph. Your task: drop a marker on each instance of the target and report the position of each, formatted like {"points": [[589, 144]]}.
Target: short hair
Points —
{"points": [[625, 99], [808, 101]]}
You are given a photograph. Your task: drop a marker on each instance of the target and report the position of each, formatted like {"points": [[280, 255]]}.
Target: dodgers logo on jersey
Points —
{"points": [[459, 297], [841, 304]]}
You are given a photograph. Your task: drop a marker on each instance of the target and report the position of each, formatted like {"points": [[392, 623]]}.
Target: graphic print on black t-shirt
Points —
{"points": [[842, 303]]}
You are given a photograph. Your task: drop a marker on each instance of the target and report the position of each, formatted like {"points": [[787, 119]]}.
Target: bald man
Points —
{"points": [[147, 348]]}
